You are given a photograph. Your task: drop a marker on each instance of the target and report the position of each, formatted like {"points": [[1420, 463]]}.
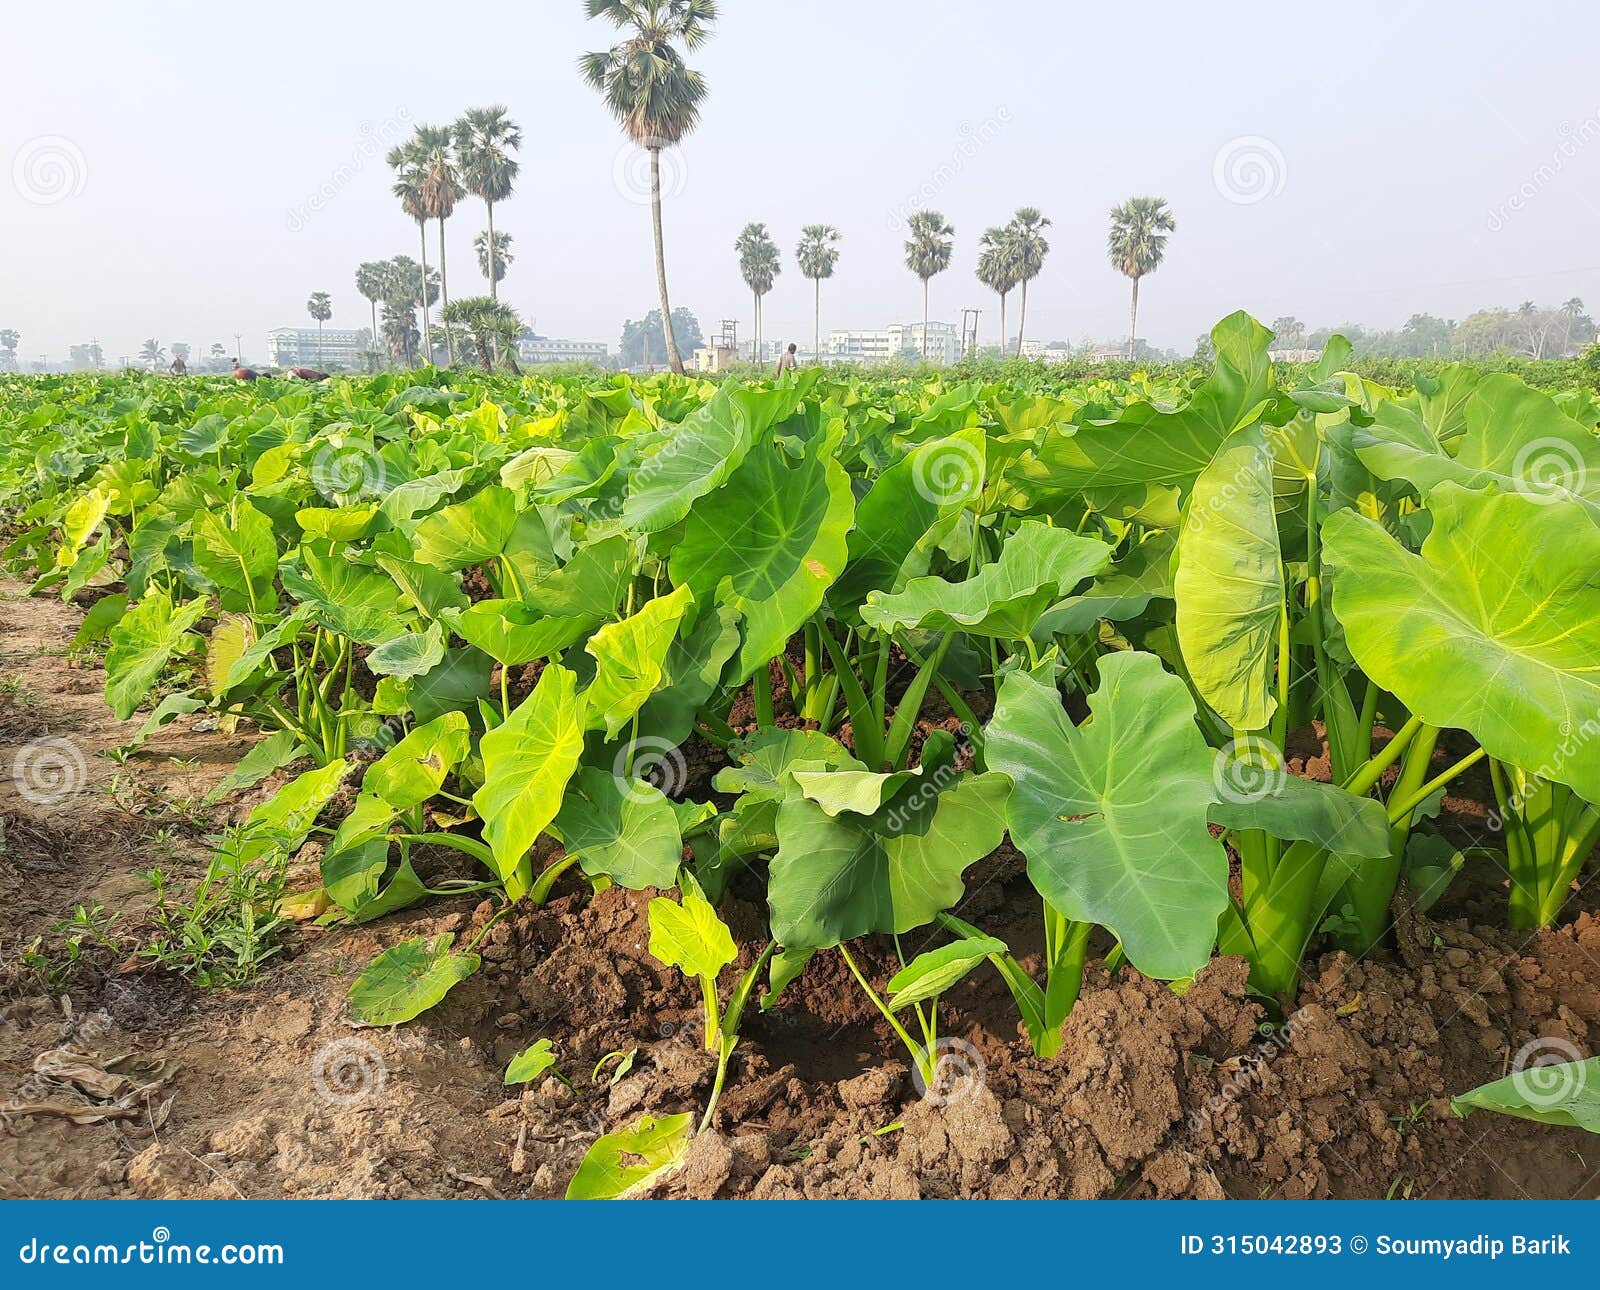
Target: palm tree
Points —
{"points": [[817, 252], [152, 353], [372, 282], [998, 269], [1138, 240], [485, 139], [441, 190], [10, 338], [927, 253], [400, 330], [759, 266], [1028, 226], [1571, 312], [407, 164], [487, 321], [653, 95], [320, 307], [503, 258]]}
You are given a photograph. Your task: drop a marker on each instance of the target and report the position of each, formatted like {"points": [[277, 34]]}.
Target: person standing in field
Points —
{"points": [[786, 361], [178, 367]]}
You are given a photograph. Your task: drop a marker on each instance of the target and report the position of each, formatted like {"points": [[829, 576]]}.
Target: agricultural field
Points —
{"points": [[1148, 785]]}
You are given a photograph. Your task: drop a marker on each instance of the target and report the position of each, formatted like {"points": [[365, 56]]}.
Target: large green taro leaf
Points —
{"points": [[625, 830], [1143, 574], [1512, 438], [1111, 815], [347, 598], [1037, 566], [141, 643], [1229, 583], [527, 762], [1494, 628], [415, 768], [512, 632], [629, 657], [769, 542], [236, 551], [468, 532], [1153, 445], [839, 877], [1565, 1093]]}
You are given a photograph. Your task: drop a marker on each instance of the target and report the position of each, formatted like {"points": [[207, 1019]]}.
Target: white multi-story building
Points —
{"points": [[307, 347], [883, 344], [542, 349]]}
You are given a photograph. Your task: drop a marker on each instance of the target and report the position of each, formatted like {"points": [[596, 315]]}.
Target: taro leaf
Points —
{"points": [[1287, 807], [624, 830], [431, 591], [1431, 865], [1493, 629], [412, 771], [1513, 438], [1565, 1093], [1111, 815], [101, 618], [141, 644], [237, 552], [1149, 445], [532, 1062], [409, 978], [337, 523], [409, 654], [274, 752], [929, 975], [343, 597], [527, 762], [468, 532], [769, 543], [906, 512], [632, 1158], [1143, 574], [78, 523], [762, 761], [456, 684], [513, 633], [700, 453], [173, 706], [1229, 583], [284, 819], [1037, 566], [630, 656], [834, 879], [225, 646], [258, 654], [590, 584], [694, 665], [690, 936]]}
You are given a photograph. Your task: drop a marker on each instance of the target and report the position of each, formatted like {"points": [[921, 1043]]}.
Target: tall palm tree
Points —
{"points": [[152, 353], [652, 93], [759, 266], [927, 253], [1028, 227], [405, 161], [400, 330], [441, 190], [1136, 245], [372, 281], [503, 258], [998, 269], [320, 307], [817, 251], [485, 139]]}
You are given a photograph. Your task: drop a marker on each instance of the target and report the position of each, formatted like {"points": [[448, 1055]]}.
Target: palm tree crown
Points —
{"points": [[927, 253], [503, 257], [817, 252], [1136, 245], [999, 267], [1028, 226]]}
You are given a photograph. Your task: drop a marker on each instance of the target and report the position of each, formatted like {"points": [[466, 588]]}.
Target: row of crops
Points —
{"points": [[908, 620]]}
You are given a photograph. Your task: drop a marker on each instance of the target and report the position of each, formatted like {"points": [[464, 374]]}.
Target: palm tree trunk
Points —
{"points": [[673, 360], [427, 333], [1022, 317], [494, 260], [1133, 318], [925, 320], [816, 321], [319, 343], [755, 323], [374, 341], [444, 298], [1002, 324]]}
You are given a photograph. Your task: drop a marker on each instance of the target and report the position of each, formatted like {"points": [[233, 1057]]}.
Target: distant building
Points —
{"points": [[883, 344], [307, 347], [543, 349], [1294, 355]]}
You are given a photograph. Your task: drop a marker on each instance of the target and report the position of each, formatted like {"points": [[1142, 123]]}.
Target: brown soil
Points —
{"points": [[271, 1091]]}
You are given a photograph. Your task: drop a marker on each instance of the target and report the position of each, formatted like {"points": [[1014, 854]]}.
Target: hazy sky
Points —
{"points": [[162, 163]]}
